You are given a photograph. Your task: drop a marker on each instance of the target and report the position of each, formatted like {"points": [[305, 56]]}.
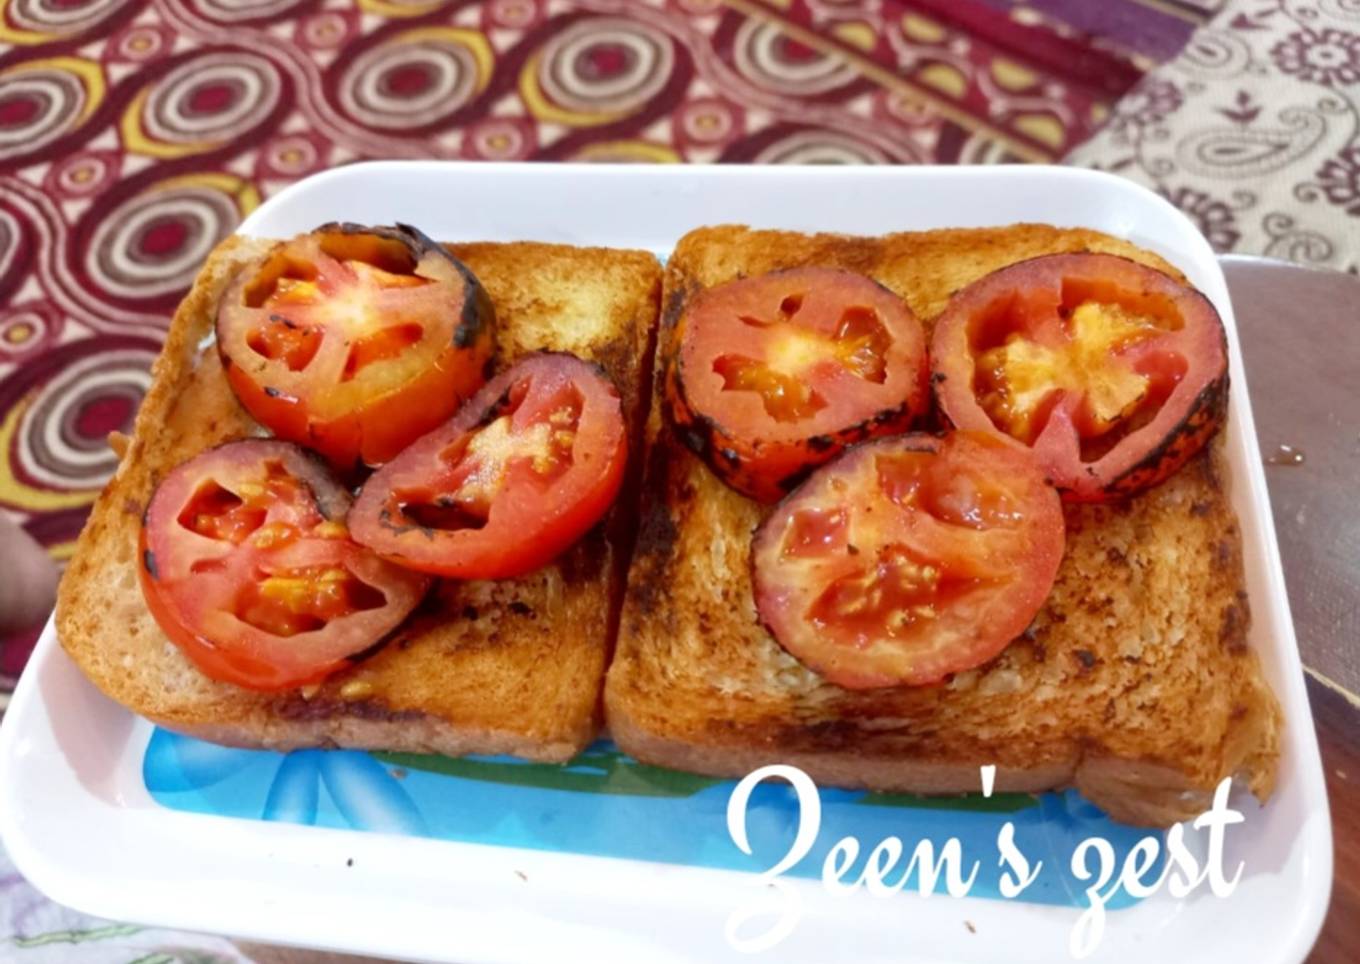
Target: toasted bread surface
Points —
{"points": [[510, 666], [1135, 682]]}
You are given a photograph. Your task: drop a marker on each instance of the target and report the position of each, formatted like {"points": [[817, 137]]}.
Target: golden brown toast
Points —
{"points": [[513, 666], [1135, 683]]}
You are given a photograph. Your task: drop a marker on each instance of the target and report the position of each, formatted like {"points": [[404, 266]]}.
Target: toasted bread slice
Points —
{"points": [[1135, 683], [512, 666]]}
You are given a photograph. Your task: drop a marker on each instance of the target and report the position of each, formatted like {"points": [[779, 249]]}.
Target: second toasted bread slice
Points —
{"points": [[512, 666], [1135, 682]]}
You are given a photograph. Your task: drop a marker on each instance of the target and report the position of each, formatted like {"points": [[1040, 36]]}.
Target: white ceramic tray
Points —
{"points": [[77, 818]]}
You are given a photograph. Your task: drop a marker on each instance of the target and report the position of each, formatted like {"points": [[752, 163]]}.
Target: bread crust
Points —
{"points": [[1135, 683], [512, 666]]}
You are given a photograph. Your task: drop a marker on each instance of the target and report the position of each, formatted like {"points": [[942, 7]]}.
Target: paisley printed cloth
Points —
{"points": [[134, 134], [1254, 131]]}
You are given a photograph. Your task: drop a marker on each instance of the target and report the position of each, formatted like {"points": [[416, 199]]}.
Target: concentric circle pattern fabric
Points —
{"points": [[135, 134]]}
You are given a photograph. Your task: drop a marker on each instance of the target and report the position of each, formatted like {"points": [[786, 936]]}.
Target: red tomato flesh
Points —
{"points": [[249, 568], [1114, 373], [355, 341], [909, 558], [773, 375], [520, 473]]}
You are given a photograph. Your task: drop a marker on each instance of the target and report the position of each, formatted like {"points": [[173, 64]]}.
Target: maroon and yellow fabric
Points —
{"points": [[134, 134]]}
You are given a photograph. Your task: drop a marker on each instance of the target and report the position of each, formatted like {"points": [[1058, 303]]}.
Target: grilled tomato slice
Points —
{"points": [[248, 567], [1113, 372], [774, 375], [520, 473], [355, 341], [909, 558]]}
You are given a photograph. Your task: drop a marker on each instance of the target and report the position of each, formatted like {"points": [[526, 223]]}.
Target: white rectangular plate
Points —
{"points": [[78, 821]]}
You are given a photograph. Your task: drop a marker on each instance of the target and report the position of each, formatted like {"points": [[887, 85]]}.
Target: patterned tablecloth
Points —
{"points": [[1254, 131], [134, 134]]}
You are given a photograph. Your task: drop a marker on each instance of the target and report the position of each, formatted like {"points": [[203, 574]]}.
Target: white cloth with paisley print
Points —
{"points": [[1253, 131]]}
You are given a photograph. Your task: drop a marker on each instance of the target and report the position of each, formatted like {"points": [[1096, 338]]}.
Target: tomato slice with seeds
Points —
{"points": [[355, 341], [520, 473], [909, 558], [1113, 372], [774, 375], [248, 567]]}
